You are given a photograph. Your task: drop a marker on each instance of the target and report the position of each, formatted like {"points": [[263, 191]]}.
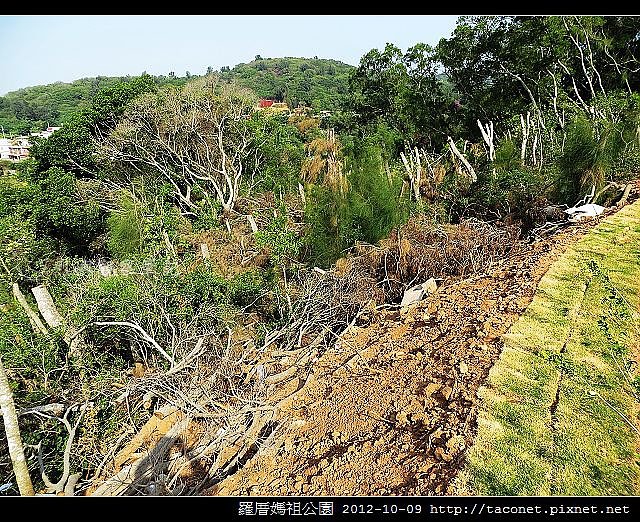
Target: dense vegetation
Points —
{"points": [[174, 221], [32, 109], [315, 82]]}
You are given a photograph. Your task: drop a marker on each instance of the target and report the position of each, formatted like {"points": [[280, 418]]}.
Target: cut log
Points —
{"points": [[252, 223], [52, 316], [145, 468], [625, 195], [460, 156], [34, 318], [47, 307], [14, 441]]}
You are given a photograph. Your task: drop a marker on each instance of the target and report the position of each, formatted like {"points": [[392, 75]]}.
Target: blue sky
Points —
{"points": [[44, 49]]}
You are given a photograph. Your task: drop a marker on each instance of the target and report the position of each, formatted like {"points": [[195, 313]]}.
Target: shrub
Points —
{"points": [[282, 243], [125, 229], [366, 211]]}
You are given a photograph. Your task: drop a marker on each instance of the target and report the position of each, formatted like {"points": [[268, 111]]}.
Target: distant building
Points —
{"points": [[19, 148], [16, 149], [45, 133], [4, 148], [272, 107]]}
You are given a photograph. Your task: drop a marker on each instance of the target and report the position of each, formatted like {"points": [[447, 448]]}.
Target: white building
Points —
{"points": [[5, 144], [16, 149], [46, 133]]}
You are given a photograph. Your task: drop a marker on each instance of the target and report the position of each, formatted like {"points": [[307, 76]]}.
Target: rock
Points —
{"points": [[402, 418], [441, 454], [446, 392], [463, 367], [138, 370], [412, 295], [418, 292], [425, 467], [429, 286], [456, 444], [584, 211], [432, 388]]}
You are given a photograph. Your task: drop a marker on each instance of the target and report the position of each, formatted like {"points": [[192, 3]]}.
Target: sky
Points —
{"points": [[44, 49]]}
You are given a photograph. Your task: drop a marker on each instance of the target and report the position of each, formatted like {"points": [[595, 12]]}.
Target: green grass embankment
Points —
{"points": [[559, 413]]}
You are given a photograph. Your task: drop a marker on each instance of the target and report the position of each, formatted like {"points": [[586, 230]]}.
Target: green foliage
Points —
{"points": [[282, 243], [32, 109], [317, 83], [203, 285], [125, 229], [208, 215], [280, 148], [367, 211], [592, 149], [405, 92], [39, 218], [143, 222], [62, 217], [507, 156], [72, 146], [6, 166]]}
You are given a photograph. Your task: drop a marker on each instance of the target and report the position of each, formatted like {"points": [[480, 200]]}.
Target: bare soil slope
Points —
{"points": [[391, 409]]}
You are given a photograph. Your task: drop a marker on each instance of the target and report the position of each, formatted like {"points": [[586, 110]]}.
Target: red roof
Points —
{"points": [[265, 103]]}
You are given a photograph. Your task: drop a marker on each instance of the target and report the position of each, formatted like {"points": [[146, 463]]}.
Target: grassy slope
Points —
{"points": [[553, 415]]}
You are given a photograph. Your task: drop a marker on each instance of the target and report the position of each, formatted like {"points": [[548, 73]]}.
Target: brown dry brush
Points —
{"points": [[421, 249], [231, 388]]}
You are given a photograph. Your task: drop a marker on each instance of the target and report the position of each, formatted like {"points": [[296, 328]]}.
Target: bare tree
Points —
{"points": [[195, 136]]}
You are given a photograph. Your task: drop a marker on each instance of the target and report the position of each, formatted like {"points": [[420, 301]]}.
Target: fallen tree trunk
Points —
{"points": [[14, 441], [54, 319], [460, 156], [144, 468], [34, 319], [625, 195], [47, 307]]}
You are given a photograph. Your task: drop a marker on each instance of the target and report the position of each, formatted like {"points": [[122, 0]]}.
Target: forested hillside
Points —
{"points": [[32, 109], [317, 83], [174, 260]]}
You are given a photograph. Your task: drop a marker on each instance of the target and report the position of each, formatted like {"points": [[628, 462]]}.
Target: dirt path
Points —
{"points": [[391, 410]]}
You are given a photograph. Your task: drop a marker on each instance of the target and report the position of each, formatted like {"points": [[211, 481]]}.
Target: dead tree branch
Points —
{"points": [[143, 334]]}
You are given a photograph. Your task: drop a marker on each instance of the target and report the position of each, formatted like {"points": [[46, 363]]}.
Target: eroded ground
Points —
{"points": [[391, 409]]}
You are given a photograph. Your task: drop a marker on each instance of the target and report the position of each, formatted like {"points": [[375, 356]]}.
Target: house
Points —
{"points": [[45, 133], [272, 107], [14, 149], [4, 148], [19, 148]]}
